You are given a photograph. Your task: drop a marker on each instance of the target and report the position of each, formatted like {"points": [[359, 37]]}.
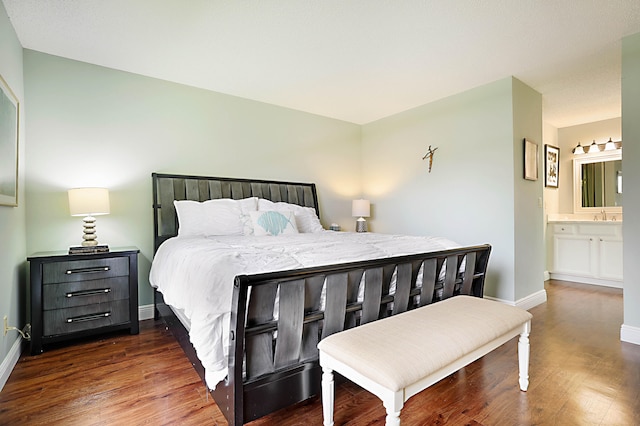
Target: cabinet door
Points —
{"points": [[610, 258], [574, 255]]}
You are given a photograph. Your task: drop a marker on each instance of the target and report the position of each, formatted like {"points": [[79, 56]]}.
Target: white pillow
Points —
{"points": [[273, 222], [306, 217], [213, 217], [247, 205]]}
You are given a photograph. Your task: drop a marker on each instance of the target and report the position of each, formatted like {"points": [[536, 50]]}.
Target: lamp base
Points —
{"points": [[90, 238], [361, 225]]}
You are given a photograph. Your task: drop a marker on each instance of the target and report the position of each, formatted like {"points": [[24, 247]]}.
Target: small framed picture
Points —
{"points": [[551, 165], [530, 160]]}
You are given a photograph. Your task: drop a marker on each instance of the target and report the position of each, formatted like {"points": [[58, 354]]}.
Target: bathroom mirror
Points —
{"points": [[598, 182]]}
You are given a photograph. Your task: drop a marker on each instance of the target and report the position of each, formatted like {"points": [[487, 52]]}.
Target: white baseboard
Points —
{"points": [[630, 334], [525, 303], [586, 280], [145, 312], [535, 299], [10, 361]]}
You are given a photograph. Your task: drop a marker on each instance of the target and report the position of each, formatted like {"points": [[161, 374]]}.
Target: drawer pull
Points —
{"points": [[87, 270], [89, 317], [88, 292]]}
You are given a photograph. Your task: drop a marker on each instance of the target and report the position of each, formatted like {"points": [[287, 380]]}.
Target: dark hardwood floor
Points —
{"points": [[580, 374]]}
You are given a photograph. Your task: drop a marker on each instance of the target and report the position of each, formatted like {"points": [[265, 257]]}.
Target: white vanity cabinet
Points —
{"points": [[587, 252]]}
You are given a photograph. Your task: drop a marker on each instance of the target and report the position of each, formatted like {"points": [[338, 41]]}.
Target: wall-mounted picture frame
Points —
{"points": [[530, 160], [551, 166], [9, 110]]}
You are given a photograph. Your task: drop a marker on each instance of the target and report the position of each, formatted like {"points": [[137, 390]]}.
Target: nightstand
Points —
{"points": [[82, 294]]}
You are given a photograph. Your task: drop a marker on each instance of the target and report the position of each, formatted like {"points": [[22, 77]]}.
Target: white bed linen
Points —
{"points": [[195, 274]]}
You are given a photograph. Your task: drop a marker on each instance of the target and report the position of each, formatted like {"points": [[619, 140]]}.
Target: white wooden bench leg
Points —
{"points": [[327, 396], [393, 403], [393, 418], [523, 356]]}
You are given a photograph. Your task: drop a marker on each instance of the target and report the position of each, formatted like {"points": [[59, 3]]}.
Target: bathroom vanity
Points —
{"points": [[586, 251]]}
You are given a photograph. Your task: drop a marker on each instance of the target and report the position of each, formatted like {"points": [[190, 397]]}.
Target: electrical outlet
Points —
{"points": [[6, 325]]}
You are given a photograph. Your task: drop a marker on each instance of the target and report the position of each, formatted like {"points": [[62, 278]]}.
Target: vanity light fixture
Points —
{"points": [[578, 149], [610, 145]]}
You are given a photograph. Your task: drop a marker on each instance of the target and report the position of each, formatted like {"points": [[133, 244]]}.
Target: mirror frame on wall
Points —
{"points": [[578, 161]]}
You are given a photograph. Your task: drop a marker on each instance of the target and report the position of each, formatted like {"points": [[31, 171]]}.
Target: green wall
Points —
{"points": [[93, 126], [528, 212], [12, 219], [630, 161], [470, 195]]}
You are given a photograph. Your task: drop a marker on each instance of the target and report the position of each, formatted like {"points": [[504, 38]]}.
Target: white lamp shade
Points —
{"points": [[360, 208], [88, 201]]}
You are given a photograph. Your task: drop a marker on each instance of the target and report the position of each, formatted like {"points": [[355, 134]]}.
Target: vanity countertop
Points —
{"points": [[583, 221], [612, 218]]}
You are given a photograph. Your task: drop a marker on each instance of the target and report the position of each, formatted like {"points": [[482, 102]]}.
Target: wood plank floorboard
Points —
{"points": [[580, 374]]}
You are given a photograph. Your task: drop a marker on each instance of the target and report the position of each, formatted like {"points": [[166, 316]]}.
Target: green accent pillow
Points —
{"points": [[274, 223]]}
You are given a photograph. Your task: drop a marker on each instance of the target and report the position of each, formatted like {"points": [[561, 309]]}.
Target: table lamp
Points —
{"points": [[89, 202], [361, 209]]}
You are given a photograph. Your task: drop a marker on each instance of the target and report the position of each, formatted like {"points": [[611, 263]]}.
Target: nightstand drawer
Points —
{"points": [[88, 317], [67, 295], [82, 270]]}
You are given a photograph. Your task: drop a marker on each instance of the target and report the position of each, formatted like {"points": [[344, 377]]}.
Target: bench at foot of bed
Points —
{"points": [[399, 356]]}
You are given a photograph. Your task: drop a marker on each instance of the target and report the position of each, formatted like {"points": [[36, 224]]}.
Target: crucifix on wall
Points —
{"points": [[429, 155]]}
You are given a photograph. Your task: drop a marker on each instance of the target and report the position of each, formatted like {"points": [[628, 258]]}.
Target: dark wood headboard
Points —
{"points": [[167, 188]]}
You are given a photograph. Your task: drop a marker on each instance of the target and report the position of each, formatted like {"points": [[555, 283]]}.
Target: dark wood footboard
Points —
{"points": [[279, 318]]}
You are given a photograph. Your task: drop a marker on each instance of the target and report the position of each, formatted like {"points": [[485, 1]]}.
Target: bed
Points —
{"points": [[277, 315]]}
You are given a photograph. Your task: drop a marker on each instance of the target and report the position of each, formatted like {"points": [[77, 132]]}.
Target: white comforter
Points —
{"points": [[195, 274]]}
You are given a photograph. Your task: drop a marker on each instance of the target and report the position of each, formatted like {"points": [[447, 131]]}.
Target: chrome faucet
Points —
{"points": [[604, 215]]}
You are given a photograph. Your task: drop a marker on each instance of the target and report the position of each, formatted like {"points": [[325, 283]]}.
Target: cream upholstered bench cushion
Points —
{"points": [[400, 350]]}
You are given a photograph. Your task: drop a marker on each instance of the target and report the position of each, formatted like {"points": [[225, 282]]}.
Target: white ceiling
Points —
{"points": [[355, 60]]}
